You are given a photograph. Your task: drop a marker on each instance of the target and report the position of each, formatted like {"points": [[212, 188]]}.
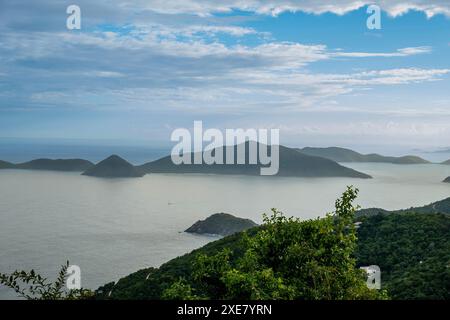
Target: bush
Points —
{"points": [[287, 259]]}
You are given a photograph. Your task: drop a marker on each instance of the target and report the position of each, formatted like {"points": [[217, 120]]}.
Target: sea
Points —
{"points": [[113, 227]]}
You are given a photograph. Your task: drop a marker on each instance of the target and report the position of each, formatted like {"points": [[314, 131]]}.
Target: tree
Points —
{"points": [[289, 259], [33, 286]]}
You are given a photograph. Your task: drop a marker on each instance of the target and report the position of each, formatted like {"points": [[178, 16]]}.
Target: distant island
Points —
{"points": [[447, 180], [6, 165], [292, 164], [56, 165], [442, 206], [50, 164], [114, 167], [346, 155], [223, 224], [446, 162]]}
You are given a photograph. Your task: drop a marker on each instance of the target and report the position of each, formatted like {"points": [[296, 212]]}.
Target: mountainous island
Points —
{"points": [[446, 162], [114, 167], [346, 155], [292, 164], [223, 224], [447, 180]]}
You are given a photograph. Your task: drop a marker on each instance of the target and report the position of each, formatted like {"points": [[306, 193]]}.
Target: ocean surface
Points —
{"points": [[19, 150], [112, 227]]}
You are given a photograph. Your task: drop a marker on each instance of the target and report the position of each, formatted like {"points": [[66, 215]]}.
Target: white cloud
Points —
{"points": [[103, 74], [397, 129], [193, 74], [402, 76], [271, 7], [180, 64], [404, 52], [231, 30]]}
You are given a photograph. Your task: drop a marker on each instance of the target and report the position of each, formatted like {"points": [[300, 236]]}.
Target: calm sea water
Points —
{"points": [[112, 227]]}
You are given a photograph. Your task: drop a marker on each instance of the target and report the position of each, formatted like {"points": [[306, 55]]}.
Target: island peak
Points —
{"points": [[114, 167]]}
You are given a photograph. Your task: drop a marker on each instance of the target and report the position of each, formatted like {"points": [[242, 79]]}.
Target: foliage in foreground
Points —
{"points": [[33, 286], [412, 249], [286, 259]]}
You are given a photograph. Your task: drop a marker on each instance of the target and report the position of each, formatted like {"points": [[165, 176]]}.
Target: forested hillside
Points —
{"points": [[411, 248]]}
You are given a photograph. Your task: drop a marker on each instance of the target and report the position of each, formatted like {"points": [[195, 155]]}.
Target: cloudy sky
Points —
{"points": [[139, 69]]}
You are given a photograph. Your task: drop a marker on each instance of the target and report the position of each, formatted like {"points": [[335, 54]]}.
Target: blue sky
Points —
{"points": [[139, 69]]}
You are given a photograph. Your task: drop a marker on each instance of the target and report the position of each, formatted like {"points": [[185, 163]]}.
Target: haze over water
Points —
{"points": [[112, 227]]}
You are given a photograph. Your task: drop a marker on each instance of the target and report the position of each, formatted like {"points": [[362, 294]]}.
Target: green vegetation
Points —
{"points": [[284, 259], [346, 155], [32, 286], [412, 250], [442, 206]]}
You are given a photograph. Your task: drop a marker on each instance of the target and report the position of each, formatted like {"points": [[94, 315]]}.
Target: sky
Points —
{"points": [[137, 70]]}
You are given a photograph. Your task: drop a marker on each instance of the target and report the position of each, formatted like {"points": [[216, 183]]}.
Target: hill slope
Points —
{"points": [[446, 162], [442, 206], [412, 250], [447, 180], [149, 283], [292, 164], [346, 155], [114, 167]]}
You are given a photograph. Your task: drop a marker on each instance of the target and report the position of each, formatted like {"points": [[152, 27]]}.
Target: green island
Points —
{"points": [[223, 224]]}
